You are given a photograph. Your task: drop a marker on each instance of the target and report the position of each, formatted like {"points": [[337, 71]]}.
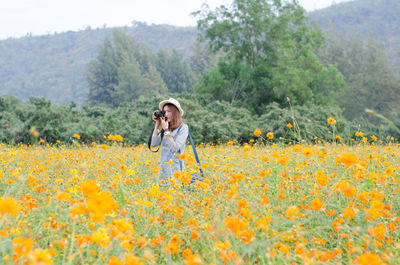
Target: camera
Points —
{"points": [[159, 113]]}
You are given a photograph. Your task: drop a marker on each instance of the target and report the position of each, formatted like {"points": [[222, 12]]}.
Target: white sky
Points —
{"points": [[20, 17]]}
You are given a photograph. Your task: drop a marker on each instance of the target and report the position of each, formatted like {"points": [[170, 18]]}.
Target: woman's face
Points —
{"points": [[169, 113]]}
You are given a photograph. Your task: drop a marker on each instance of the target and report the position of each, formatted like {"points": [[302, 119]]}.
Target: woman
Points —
{"points": [[173, 142]]}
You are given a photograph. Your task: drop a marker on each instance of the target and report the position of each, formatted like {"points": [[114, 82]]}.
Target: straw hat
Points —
{"points": [[173, 102]]}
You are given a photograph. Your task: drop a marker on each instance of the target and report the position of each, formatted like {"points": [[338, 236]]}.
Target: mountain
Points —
{"points": [[363, 17], [54, 66]]}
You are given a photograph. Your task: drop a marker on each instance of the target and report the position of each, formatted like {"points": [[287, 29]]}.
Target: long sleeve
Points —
{"points": [[177, 142], [155, 140]]}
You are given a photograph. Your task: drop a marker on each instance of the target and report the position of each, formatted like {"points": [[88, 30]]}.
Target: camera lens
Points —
{"points": [[159, 113]]}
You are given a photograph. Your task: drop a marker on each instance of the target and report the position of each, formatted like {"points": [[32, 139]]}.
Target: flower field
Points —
{"points": [[259, 204]]}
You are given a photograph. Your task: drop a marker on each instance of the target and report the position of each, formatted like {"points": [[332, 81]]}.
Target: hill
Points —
{"points": [[363, 17], [54, 66]]}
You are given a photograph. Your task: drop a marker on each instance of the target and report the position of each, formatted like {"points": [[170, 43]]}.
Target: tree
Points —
{"points": [[102, 76], [123, 71], [175, 71], [202, 59], [269, 53], [370, 79]]}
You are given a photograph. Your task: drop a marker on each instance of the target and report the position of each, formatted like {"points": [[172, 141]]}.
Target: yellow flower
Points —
{"points": [[257, 132], [331, 120], [270, 135], [292, 212], [308, 152], [8, 206], [389, 171], [347, 158], [289, 125], [348, 213], [316, 204], [359, 134], [22, 246], [77, 136], [89, 188], [40, 256], [369, 259]]}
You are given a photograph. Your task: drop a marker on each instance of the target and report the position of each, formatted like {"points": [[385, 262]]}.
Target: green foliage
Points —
{"points": [[371, 82], [203, 58], [11, 125], [55, 64], [122, 72], [269, 53], [209, 121], [363, 17], [308, 122], [175, 71]]}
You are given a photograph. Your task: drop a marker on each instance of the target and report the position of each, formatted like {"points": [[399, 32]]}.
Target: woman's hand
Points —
{"points": [[156, 119], [164, 124]]}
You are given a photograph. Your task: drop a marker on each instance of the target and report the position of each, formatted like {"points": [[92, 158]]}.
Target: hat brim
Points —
{"points": [[168, 101]]}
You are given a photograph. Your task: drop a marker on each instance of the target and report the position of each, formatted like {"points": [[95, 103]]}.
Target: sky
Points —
{"points": [[40, 17]]}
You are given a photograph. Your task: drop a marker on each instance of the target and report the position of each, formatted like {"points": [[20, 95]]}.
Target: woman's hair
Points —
{"points": [[176, 117]]}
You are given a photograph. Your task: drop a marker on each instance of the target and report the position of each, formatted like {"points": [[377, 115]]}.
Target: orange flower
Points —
{"points": [[347, 158], [78, 210], [307, 152], [257, 132], [195, 235], [247, 236], [282, 160], [270, 135], [182, 156], [236, 224], [171, 248], [378, 232], [297, 148], [363, 197], [76, 136], [194, 260], [369, 259], [117, 138], [289, 125], [331, 120], [101, 203], [223, 246], [22, 246], [8, 206], [348, 213], [292, 212], [389, 171], [319, 241], [392, 227], [130, 259], [40, 256], [89, 188], [316, 204], [115, 261], [359, 134], [322, 179], [347, 189]]}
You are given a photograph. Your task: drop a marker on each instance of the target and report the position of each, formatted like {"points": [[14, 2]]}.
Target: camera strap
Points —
{"points": [[149, 142], [195, 155]]}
